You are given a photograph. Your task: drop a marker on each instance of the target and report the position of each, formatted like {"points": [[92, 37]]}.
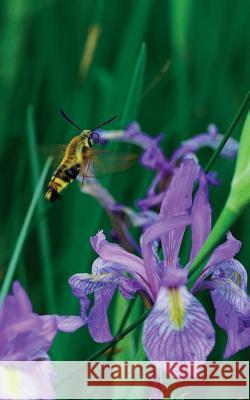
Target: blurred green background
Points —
{"points": [[86, 56]]}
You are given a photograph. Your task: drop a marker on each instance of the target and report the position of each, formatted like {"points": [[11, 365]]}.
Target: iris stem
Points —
{"points": [[119, 337], [24, 231]]}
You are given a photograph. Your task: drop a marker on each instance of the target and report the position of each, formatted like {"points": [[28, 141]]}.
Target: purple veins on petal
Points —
{"points": [[228, 284], [223, 252], [230, 304], [177, 328], [98, 323], [178, 201], [115, 254], [160, 228], [106, 278]]}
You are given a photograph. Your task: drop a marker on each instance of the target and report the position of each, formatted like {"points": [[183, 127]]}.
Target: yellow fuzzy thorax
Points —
{"points": [[73, 153]]}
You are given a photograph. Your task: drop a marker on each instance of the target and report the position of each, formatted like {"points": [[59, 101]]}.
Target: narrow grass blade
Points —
{"points": [[228, 133], [179, 11], [130, 108], [43, 230], [24, 231]]}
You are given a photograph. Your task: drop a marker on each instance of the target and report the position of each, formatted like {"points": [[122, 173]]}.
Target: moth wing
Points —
{"points": [[104, 162], [57, 151]]}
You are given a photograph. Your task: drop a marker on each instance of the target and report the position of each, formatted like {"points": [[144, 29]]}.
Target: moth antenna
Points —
{"points": [[104, 123], [69, 120]]}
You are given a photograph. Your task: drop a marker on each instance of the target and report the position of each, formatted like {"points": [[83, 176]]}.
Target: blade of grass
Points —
{"points": [[43, 230], [24, 231], [179, 12], [133, 35], [228, 133], [133, 98]]}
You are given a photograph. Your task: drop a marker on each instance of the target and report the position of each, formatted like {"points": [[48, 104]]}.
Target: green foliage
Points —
{"points": [[42, 48], [239, 196]]}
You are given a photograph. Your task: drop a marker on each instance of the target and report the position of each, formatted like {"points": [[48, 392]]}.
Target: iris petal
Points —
{"points": [[232, 307], [178, 327], [98, 320], [200, 217], [178, 201], [115, 254]]}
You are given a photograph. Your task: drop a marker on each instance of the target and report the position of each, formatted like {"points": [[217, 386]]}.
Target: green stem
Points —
{"points": [[24, 231], [223, 224], [228, 133], [118, 338]]}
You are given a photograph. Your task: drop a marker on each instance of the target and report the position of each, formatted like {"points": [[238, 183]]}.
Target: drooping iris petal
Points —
{"points": [[231, 304], [228, 285], [200, 217], [178, 327], [106, 278], [103, 286], [105, 275], [211, 139], [230, 269], [97, 319], [178, 201], [87, 283], [225, 251]]}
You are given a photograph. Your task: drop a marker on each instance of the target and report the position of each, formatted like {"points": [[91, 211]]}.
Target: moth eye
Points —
{"points": [[90, 142]]}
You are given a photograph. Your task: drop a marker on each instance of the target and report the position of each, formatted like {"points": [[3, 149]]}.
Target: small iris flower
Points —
{"points": [[153, 157], [177, 327], [25, 335]]}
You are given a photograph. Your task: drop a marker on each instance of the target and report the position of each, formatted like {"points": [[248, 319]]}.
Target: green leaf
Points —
{"points": [[239, 196]]}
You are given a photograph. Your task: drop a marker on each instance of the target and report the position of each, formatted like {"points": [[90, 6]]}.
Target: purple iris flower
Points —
{"points": [[25, 335], [154, 158], [178, 327]]}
